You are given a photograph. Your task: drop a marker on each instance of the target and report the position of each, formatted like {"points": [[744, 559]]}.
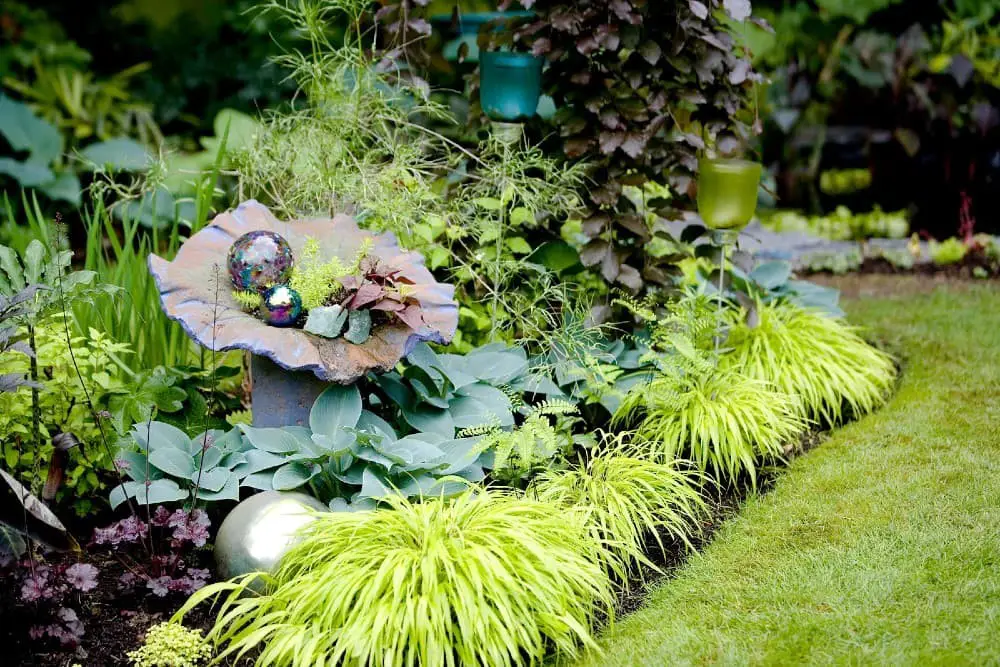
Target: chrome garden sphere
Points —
{"points": [[259, 259], [258, 532]]}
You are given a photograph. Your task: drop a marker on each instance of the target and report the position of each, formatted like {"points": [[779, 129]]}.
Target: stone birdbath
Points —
{"points": [[289, 366]]}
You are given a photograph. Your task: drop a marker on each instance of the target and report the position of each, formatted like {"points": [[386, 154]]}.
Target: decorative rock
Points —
{"points": [[281, 307], [259, 259], [359, 326], [327, 321], [258, 532]]}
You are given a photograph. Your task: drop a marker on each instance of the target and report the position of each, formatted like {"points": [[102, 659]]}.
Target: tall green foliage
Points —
{"points": [[486, 579]]}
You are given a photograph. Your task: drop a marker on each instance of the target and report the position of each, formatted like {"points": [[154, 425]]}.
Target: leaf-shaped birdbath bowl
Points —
{"points": [[195, 290]]}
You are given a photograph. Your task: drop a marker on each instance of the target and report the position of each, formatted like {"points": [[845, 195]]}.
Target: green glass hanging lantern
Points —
{"points": [[510, 85], [727, 200], [727, 192]]}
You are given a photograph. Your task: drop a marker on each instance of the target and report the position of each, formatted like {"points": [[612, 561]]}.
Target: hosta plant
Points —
{"points": [[349, 453], [485, 579], [171, 467], [805, 353], [442, 393], [626, 498]]}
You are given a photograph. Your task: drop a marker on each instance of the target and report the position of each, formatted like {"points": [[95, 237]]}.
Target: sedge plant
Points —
{"points": [[821, 359], [627, 498], [724, 421], [487, 578]]}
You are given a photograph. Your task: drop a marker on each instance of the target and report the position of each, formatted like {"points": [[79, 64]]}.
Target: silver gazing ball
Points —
{"points": [[258, 532]]}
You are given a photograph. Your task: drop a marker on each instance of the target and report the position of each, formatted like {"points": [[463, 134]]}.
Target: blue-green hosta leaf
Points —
{"points": [[11, 266], [174, 462], [393, 385], [27, 174], [275, 440], [353, 475], [230, 491], [414, 453], [458, 454], [536, 383], [34, 261], [497, 367], [771, 275], [212, 479], [496, 402], [211, 458], [374, 484], [233, 459], [342, 443], [372, 455], [230, 441], [257, 460], [262, 480], [25, 131], [120, 153], [337, 408], [430, 420], [468, 412], [452, 365], [372, 423], [136, 466], [158, 435], [157, 491], [293, 475], [423, 485]]}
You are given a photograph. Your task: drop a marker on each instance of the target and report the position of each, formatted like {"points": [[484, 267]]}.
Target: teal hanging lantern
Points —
{"points": [[467, 28], [510, 85]]}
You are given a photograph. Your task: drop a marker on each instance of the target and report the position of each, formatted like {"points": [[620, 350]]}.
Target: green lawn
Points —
{"points": [[880, 547]]}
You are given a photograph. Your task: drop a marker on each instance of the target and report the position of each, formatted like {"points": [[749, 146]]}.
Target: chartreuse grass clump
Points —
{"points": [[486, 578], [171, 645], [724, 421], [626, 499], [820, 359]]}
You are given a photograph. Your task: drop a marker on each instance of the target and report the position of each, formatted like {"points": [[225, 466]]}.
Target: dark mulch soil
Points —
{"points": [[114, 620]]}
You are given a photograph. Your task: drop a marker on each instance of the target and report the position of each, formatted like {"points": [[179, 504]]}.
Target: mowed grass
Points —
{"points": [[880, 547]]}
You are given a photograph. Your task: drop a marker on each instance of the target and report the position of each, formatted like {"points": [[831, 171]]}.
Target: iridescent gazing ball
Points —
{"points": [[258, 532], [281, 306], [259, 259]]}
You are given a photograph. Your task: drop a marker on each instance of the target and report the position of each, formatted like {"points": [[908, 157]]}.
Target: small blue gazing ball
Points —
{"points": [[281, 306], [259, 259]]}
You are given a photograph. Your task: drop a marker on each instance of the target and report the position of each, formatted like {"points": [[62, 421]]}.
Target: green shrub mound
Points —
{"points": [[626, 498], [725, 422], [485, 579], [818, 358]]}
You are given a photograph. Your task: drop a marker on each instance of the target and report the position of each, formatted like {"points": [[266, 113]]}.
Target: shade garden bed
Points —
{"points": [[489, 507]]}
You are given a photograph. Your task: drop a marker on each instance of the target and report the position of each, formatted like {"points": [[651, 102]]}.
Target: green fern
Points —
{"points": [[531, 446]]}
